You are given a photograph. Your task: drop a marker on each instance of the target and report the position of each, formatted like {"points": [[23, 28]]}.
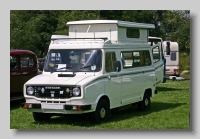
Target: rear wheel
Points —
{"points": [[102, 112], [174, 78], [41, 116], [144, 105]]}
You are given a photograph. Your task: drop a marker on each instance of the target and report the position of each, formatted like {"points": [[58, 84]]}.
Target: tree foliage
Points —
{"points": [[176, 26], [32, 29]]}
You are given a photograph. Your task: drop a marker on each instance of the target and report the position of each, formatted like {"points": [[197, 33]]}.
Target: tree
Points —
{"points": [[32, 30], [176, 26], [74, 15]]}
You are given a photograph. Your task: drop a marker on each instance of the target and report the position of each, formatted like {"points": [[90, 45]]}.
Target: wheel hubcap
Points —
{"points": [[102, 112], [146, 102]]}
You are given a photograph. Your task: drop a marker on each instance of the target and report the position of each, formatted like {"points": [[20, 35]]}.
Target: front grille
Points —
{"points": [[59, 102], [60, 92]]}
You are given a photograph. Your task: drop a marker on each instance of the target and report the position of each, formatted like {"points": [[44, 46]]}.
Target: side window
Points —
{"points": [[127, 58], [31, 62], [26, 61], [147, 58], [132, 33], [13, 62], [136, 59], [156, 54], [173, 56], [110, 58], [144, 58]]}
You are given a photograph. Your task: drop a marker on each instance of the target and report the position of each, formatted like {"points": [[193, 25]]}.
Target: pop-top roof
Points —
{"points": [[118, 22]]}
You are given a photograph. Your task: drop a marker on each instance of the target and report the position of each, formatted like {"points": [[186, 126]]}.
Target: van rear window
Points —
{"points": [[173, 56]]}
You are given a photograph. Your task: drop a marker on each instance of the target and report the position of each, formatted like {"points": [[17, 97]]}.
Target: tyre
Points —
{"points": [[102, 112], [144, 105], [38, 117], [174, 78]]}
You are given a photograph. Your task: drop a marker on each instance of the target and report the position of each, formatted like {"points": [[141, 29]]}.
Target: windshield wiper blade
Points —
{"points": [[81, 68]]}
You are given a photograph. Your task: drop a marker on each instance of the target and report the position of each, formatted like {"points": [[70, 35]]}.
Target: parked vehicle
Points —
{"points": [[170, 53], [23, 66], [100, 66]]}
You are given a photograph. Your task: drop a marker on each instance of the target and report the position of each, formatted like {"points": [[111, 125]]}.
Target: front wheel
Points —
{"points": [[144, 105], [102, 112], [38, 117]]}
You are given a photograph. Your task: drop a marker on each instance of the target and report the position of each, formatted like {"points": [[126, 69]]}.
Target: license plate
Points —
{"points": [[52, 106]]}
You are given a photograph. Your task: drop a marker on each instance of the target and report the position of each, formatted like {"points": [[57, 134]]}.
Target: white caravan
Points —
{"points": [[101, 65], [171, 52]]}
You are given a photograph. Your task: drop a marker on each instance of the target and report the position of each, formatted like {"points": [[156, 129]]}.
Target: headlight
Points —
{"points": [[76, 92], [30, 90]]}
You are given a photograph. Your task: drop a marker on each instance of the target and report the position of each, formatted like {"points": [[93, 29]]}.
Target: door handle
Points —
{"points": [[143, 72], [109, 76]]}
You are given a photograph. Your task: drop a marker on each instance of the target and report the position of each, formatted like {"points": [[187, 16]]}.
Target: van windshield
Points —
{"points": [[77, 60]]}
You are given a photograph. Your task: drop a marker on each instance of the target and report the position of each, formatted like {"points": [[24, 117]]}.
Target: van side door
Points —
{"points": [[112, 80], [137, 75], [158, 62]]}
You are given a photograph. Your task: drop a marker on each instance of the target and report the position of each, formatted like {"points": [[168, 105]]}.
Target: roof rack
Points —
{"points": [[79, 38], [66, 40]]}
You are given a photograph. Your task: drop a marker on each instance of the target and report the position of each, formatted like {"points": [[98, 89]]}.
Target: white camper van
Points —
{"points": [[101, 65]]}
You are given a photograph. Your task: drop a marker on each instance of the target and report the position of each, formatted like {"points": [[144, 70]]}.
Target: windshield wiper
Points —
{"points": [[82, 68]]}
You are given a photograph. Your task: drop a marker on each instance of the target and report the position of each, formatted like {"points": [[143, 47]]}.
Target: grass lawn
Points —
{"points": [[170, 110]]}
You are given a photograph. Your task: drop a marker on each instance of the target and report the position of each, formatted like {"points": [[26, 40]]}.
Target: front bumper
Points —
{"points": [[56, 108]]}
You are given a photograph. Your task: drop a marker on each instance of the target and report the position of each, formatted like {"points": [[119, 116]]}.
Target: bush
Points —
{"points": [[184, 62]]}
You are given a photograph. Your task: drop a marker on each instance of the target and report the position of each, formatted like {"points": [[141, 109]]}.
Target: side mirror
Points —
{"points": [[117, 66]]}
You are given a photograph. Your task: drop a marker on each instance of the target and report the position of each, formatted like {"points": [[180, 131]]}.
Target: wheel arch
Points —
{"points": [[103, 97], [148, 92]]}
